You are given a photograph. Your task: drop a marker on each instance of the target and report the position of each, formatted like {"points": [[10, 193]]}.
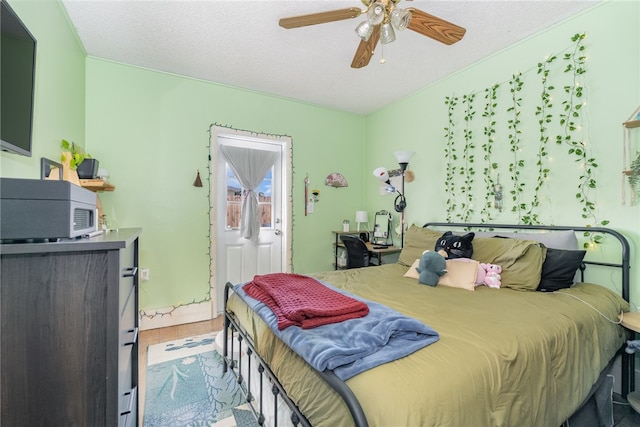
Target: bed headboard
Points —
{"points": [[623, 263]]}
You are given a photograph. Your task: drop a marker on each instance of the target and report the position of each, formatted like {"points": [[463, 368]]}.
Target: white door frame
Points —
{"points": [[217, 283]]}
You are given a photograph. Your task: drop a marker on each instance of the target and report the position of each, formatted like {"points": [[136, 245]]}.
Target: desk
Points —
{"points": [[376, 253], [631, 320]]}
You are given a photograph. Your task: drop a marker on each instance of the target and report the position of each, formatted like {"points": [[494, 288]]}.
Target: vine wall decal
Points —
{"points": [[507, 127], [450, 157], [518, 163], [489, 131], [543, 111], [467, 155]]}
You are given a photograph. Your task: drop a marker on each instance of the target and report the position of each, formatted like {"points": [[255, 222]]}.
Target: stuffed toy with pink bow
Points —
{"points": [[489, 274]]}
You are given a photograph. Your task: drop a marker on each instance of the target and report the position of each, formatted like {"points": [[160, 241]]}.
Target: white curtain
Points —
{"points": [[250, 167]]}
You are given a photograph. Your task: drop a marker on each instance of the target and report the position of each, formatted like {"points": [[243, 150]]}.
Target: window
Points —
{"points": [[234, 200]]}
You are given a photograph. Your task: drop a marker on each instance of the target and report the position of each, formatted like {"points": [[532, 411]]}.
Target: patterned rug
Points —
{"points": [[186, 387]]}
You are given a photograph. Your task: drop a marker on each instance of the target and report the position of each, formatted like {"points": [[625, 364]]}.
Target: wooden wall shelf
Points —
{"points": [[97, 185], [632, 124]]}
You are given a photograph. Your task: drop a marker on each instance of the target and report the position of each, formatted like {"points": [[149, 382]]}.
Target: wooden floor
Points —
{"points": [[156, 336]]}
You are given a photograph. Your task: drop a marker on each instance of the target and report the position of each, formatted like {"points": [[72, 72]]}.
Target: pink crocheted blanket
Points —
{"points": [[303, 301]]}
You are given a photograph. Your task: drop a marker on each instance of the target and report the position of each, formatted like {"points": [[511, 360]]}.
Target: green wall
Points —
{"points": [[59, 90], [612, 94], [150, 130]]}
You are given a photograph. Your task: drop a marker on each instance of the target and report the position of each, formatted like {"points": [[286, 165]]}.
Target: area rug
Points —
{"points": [[186, 387]]}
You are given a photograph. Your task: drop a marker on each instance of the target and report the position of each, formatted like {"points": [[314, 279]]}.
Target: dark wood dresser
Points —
{"points": [[69, 332]]}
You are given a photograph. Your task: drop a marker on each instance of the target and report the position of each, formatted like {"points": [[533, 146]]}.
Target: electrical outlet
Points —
{"points": [[144, 274]]}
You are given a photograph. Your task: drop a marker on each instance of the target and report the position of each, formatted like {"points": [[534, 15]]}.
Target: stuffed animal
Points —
{"points": [[455, 246], [489, 274], [432, 265]]}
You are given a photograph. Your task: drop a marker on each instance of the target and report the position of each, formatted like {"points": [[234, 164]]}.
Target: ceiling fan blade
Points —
{"points": [[365, 49], [434, 27], [320, 18]]}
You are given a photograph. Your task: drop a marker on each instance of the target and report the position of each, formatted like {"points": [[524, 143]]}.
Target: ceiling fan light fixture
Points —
{"points": [[387, 35], [376, 13], [364, 30], [400, 18]]}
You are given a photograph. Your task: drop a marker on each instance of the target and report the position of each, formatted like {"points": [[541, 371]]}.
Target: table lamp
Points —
{"points": [[362, 217]]}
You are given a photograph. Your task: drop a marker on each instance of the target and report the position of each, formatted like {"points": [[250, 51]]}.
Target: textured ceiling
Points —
{"points": [[239, 43]]}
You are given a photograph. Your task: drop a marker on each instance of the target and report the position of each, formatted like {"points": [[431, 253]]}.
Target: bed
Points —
{"points": [[512, 356]]}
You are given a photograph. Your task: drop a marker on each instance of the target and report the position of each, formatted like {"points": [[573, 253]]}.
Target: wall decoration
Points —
{"points": [[633, 177], [198, 181], [517, 163], [450, 156], [497, 195], [336, 180], [573, 135], [489, 131], [630, 168], [467, 169], [530, 166], [543, 112]]}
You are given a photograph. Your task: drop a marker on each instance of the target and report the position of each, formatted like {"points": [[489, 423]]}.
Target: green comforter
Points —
{"points": [[504, 358]]}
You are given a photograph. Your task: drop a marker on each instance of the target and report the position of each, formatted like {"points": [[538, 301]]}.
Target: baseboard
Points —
{"points": [[172, 316]]}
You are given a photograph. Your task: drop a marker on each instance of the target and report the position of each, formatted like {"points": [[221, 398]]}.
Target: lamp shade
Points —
{"points": [[375, 13], [364, 30], [381, 173], [387, 35], [362, 216], [400, 18], [404, 156]]}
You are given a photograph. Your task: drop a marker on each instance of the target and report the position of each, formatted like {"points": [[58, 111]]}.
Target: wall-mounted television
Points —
{"points": [[17, 79]]}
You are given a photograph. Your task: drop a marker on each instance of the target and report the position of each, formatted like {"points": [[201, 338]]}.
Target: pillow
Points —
{"points": [[416, 241], [460, 274], [521, 260], [412, 273], [562, 239], [559, 269]]}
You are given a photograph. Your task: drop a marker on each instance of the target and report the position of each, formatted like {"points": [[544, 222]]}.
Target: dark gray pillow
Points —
{"points": [[559, 269]]}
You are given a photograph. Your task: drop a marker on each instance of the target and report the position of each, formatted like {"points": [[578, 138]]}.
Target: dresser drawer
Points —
{"points": [[125, 379], [128, 344], [128, 272], [128, 311], [128, 341], [128, 408]]}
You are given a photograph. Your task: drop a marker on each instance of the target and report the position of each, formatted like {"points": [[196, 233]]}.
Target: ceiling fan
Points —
{"points": [[383, 16]]}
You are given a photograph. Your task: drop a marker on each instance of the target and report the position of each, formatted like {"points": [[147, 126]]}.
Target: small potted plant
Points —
{"points": [[79, 160], [633, 174]]}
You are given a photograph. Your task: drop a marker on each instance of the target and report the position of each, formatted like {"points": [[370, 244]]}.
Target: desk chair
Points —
{"points": [[357, 253]]}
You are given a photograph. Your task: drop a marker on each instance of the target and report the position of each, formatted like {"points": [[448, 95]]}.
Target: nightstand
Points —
{"points": [[631, 321]]}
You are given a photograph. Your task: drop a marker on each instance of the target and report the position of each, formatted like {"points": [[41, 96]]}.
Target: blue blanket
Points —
{"points": [[353, 346]]}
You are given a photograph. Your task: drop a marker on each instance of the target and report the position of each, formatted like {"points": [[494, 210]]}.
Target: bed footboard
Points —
{"points": [[260, 375]]}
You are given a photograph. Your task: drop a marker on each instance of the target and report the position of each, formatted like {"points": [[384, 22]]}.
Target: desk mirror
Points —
{"points": [[381, 228]]}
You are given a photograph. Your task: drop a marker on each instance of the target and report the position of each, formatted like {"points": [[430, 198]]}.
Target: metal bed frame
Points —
{"points": [[232, 326]]}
